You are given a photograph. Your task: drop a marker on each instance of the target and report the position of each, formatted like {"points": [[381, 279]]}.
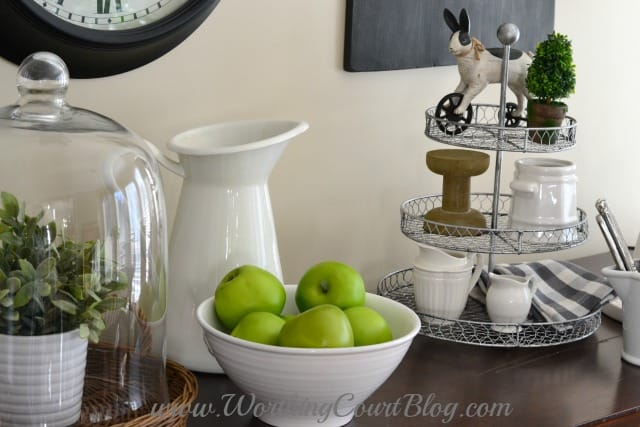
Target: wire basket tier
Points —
{"points": [[502, 239], [475, 327], [483, 132]]}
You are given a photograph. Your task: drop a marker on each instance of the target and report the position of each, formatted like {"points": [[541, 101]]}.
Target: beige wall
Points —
{"points": [[337, 190]]}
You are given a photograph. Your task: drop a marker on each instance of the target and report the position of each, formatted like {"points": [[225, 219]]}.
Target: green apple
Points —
{"points": [[330, 282], [246, 289], [322, 326], [368, 326], [259, 326], [288, 317]]}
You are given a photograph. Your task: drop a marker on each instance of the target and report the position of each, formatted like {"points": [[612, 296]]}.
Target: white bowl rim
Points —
{"points": [[304, 350]]}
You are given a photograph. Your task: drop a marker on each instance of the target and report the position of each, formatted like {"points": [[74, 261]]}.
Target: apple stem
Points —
{"points": [[324, 285]]}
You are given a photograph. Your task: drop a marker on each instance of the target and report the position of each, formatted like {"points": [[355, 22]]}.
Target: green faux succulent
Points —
{"points": [[48, 288]]}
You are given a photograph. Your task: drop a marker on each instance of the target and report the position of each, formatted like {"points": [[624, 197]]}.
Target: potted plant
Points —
{"points": [[551, 78], [52, 297]]}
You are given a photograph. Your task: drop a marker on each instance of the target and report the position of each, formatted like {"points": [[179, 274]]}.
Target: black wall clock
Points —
{"points": [[98, 38]]}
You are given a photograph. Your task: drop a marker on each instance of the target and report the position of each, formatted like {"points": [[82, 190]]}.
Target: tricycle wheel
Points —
{"points": [[448, 121], [510, 120]]}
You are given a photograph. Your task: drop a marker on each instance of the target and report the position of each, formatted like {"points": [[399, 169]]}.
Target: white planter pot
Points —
{"points": [[41, 379]]}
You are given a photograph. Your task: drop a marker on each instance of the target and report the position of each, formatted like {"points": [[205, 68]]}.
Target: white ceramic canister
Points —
{"points": [[544, 193]]}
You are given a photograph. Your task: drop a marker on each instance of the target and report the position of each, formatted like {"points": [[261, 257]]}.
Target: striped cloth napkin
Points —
{"points": [[563, 291]]}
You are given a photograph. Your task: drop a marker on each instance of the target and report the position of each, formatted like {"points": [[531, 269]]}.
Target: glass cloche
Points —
{"points": [[83, 256]]}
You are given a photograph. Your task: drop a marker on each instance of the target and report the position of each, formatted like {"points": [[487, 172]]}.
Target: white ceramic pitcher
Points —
{"points": [[435, 259], [224, 219], [508, 300], [442, 281], [627, 287]]}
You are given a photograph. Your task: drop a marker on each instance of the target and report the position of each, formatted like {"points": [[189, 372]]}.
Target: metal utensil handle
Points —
{"points": [[612, 245], [616, 235]]}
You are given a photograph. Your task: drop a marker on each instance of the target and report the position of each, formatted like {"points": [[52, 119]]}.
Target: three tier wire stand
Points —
{"points": [[491, 128]]}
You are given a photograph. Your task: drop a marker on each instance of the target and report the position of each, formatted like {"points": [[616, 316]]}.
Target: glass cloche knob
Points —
{"points": [[42, 80]]}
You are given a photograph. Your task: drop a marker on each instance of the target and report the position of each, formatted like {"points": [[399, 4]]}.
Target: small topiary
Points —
{"points": [[552, 74]]}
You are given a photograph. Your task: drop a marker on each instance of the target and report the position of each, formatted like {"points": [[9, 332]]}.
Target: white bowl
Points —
{"points": [[300, 387]]}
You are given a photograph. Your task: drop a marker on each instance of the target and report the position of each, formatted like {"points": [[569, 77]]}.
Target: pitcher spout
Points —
{"points": [[227, 138], [435, 259]]}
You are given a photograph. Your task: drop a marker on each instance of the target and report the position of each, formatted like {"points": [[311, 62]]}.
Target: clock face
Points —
{"points": [[98, 38], [110, 14]]}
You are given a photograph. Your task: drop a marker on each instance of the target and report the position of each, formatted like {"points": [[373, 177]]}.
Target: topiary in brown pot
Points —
{"points": [[550, 78]]}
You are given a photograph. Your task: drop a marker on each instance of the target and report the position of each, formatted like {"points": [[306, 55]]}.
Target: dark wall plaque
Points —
{"points": [[400, 34]]}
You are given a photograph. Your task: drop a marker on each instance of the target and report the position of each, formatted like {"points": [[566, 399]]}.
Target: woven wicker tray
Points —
{"points": [[102, 397]]}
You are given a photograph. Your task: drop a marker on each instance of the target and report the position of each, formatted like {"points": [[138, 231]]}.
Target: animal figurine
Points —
{"points": [[479, 66]]}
